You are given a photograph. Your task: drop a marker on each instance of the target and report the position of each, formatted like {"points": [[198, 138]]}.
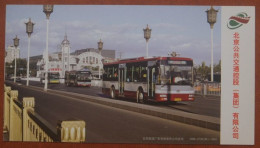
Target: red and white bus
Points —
{"points": [[157, 79]]}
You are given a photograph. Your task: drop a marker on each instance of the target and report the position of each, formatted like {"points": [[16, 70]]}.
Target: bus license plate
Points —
{"points": [[177, 99]]}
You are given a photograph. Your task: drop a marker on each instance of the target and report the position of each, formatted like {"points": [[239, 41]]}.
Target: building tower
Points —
{"points": [[65, 50]]}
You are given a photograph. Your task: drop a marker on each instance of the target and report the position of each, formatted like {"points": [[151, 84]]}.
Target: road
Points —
{"points": [[111, 125], [209, 106]]}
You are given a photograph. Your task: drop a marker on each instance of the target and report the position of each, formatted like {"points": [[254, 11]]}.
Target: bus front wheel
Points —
{"points": [[112, 93]]}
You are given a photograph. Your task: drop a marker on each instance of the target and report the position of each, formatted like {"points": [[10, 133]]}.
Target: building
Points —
{"points": [[11, 52], [66, 61], [108, 53], [65, 55]]}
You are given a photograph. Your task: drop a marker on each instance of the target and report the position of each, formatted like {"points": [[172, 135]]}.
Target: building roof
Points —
{"points": [[65, 41], [105, 52]]}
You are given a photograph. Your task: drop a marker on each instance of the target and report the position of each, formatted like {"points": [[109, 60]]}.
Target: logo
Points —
{"points": [[238, 20]]}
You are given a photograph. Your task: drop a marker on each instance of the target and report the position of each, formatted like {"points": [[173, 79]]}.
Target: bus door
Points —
{"points": [[151, 82], [121, 78]]}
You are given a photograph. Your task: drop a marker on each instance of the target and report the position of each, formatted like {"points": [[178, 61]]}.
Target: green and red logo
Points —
{"points": [[238, 20]]}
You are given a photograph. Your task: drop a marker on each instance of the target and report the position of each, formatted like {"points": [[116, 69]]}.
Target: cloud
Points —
{"points": [[125, 37]]}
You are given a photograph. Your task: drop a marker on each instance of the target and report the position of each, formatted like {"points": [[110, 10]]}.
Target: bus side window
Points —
{"points": [[143, 75], [136, 76], [105, 73], [110, 73], [129, 73], [115, 74]]}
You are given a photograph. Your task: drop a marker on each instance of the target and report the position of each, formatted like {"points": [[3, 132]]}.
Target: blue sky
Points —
{"points": [[183, 29]]}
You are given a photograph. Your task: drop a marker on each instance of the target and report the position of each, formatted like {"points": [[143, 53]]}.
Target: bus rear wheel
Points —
{"points": [[140, 96]]}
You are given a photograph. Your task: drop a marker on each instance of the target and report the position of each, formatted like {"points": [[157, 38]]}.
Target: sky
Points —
{"points": [[183, 29]]}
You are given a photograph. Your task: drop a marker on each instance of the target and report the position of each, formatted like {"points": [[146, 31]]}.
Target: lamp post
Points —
{"points": [[16, 44], [47, 9], [29, 31], [147, 36], [211, 18], [100, 47]]}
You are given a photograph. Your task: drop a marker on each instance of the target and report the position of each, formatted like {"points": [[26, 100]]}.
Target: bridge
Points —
{"points": [[112, 121]]}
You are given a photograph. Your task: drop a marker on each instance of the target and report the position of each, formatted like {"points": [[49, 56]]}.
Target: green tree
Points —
{"points": [[217, 68], [202, 71], [9, 69], [21, 65], [33, 68]]}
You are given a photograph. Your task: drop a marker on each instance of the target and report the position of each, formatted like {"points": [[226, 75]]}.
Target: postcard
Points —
{"points": [[130, 74]]}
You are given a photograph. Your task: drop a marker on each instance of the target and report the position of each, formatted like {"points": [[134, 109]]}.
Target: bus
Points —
{"points": [[53, 78], [78, 78], [157, 79]]}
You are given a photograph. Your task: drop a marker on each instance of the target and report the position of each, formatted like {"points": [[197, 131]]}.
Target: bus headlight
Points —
{"points": [[191, 95], [163, 95]]}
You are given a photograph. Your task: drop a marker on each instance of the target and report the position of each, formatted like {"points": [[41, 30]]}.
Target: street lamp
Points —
{"points": [[147, 36], [47, 9], [16, 44], [100, 47], [211, 18], [29, 31]]}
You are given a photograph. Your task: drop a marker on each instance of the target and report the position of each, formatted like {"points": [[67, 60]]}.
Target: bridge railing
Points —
{"points": [[23, 124], [207, 88]]}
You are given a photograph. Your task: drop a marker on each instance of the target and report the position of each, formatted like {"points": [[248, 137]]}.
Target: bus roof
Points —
{"points": [[142, 59]]}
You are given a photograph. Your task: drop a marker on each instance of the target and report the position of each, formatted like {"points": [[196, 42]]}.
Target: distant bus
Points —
{"points": [[53, 78], [157, 79], [78, 78]]}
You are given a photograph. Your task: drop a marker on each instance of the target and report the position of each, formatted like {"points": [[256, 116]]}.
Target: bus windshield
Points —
{"points": [[83, 76], [54, 75], [175, 74]]}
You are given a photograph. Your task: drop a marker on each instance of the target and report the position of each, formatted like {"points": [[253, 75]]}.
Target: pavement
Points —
{"points": [[208, 122]]}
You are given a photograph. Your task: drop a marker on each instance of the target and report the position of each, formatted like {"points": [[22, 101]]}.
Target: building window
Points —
{"points": [[86, 59], [96, 60]]}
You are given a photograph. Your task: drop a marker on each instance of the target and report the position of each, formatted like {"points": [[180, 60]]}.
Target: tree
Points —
{"points": [[21, 65], [202, 71], [217, 68], [33, 68]]}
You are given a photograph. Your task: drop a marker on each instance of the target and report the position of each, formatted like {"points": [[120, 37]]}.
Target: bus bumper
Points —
{"points": [[54, 81], [173, 97], [84, 84]]}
